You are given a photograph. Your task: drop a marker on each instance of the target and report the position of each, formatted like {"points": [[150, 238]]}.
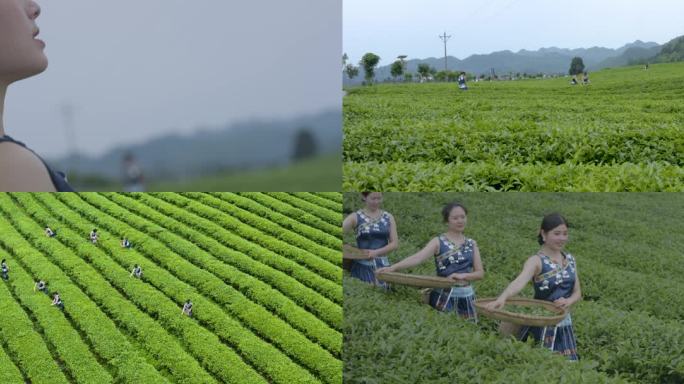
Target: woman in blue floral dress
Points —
{"points": [[553, 273], [376, 231], [456, 257]]}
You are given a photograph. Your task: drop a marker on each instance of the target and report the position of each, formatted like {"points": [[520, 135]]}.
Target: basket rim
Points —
{"points": [[521, 318], [416, 280]]}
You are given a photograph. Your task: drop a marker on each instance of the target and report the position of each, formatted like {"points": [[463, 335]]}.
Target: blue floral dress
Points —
{"points": [[371, 233], [454, 259], [553, 282]]}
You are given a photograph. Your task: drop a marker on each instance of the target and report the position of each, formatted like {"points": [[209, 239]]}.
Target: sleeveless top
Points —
{"points": [[58, 178], [453, 258], [554, 281], [372, 233]]}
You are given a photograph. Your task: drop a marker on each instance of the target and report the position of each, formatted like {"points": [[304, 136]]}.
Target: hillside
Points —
{"points": [[262, 271], [672, 51], [248, 145]]}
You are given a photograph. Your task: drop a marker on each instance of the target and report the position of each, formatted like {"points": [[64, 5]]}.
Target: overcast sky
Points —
{"points": [[390, 28], [135, 69]]}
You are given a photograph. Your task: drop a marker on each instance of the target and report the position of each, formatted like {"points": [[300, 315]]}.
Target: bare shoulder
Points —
{"points": [[22, 170], [534, 261]]}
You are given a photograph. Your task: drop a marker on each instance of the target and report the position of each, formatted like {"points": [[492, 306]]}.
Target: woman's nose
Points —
{"points": [[34, 10]]}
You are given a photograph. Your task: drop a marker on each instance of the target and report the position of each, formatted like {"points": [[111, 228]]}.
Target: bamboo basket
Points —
{"points": [[520, 318], [415, 280]]}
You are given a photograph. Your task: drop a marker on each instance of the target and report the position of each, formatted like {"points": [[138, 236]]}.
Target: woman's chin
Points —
{"points": [[37, 65]]}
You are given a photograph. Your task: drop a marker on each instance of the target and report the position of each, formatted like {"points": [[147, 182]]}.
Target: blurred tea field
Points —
{"points": [[323, 173]]}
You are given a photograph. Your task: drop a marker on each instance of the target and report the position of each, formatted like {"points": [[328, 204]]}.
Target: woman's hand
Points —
{"points": [[385, 269], [496, 304], [458, 278], [372, 253], [563, 302]]}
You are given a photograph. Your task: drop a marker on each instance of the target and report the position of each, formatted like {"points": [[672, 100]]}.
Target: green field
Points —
{"points": [[623, 132], [629, 325], [263, 272], [320, 174]]}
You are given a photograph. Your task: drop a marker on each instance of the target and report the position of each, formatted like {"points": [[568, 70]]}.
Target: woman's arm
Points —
{"points": [[531, 268], [415, 259], [478, 270], [393, 241], [349, 223]]}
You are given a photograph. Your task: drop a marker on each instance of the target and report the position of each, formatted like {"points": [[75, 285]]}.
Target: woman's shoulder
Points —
{"points": [[27, 171], [535, 259]]}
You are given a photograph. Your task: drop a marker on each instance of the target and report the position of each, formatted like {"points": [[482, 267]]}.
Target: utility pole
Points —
{"points": [[445, 38]]}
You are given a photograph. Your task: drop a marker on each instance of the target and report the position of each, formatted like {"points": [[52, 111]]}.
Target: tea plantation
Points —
{"points": [[622, 132], [629, 325], [263, 272]]}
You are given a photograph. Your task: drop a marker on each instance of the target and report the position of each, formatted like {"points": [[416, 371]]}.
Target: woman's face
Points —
{"points": [[457, 219], [374, 200], [21, 54], [556, 238]]}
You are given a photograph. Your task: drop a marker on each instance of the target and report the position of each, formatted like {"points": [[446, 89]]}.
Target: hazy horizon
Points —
{"points": [[391, 28], [131, 71]]}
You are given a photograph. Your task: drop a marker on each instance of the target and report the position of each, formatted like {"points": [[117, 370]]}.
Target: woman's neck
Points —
{"points": [[552, 253], [455, 236]]}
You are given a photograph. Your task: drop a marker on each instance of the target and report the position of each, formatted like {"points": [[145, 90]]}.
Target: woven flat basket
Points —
{"points": [[521, 318], [352, 253], [415, 280]]}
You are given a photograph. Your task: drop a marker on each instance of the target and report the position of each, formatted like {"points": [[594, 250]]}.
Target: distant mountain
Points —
{"points": [[544, 60], [250, 144], [671, 51], [631, 56]]}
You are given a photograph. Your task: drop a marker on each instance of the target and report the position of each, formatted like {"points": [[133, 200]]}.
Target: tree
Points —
{"points": [[368, 62], [351, 71], [304, 145], [408, 77], [423, 70], [344, 60], [576, 66], [397, 69]]}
